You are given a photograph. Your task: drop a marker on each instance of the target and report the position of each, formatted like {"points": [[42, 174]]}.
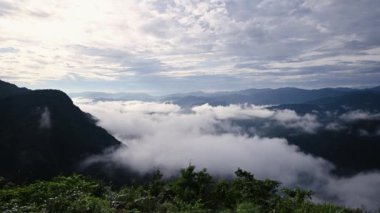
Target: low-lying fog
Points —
{"points": [[164, 136]]}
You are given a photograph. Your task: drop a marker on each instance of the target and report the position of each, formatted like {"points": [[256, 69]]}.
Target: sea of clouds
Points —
{"points": [[166, 137]]}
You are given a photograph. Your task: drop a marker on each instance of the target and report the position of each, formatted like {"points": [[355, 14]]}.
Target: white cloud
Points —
{"points": [[45, 120], [289, 118], [161, 135], [359, 190], [234, 111], [257, 42], [334, 126], [359, 115]]}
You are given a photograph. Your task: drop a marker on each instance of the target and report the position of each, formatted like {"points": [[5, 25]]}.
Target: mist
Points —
{"points": [[166, 137], [45, 120]]}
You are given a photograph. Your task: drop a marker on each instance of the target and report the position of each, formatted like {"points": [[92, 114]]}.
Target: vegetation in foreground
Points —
{"points": [[192, 191]]}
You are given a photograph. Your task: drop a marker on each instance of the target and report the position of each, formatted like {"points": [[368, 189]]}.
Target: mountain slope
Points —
{"points": [[43, 134]]}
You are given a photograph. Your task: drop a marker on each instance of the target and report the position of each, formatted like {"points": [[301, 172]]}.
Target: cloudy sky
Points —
{"points": [[166, 46]]}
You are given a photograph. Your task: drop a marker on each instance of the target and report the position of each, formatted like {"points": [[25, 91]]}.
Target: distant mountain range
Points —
{"points": [[368, 100], [279, 96], [43, 134], [263, 96]]}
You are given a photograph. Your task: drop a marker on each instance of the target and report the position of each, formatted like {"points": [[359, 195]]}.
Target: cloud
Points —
{"points": [[359, 115], [45, 120], [286, 118], [359, 190], [334, 126], [261, 42], [234, 111], [6, 8], [289, 118], [162, 135], [8, 50]]}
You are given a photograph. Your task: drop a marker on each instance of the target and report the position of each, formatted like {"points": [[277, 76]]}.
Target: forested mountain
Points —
{"points": [[43, 134]]}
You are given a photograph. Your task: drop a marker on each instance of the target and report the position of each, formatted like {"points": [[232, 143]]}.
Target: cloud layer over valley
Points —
{"points": [[164, 136]]}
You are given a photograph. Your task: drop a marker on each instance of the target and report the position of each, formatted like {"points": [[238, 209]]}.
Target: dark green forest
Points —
{"points": [[191, 191]]}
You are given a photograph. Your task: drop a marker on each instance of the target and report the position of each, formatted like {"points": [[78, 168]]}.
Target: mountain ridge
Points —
{"points": [[263, 96], [286, 95]]}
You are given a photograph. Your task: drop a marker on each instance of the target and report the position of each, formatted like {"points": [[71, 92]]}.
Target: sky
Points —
{"points": [[170, 46]]}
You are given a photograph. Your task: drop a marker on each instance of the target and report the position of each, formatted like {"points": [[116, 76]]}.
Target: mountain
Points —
{"points": [[364, 100], [7, 89], [43, 134], [352, 145], [375, 89], [102, 96], [286, 95], [367, 100], [352, 149]]}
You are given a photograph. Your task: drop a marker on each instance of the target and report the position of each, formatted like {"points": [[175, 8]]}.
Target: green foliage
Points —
{"points": [[192, 186], [247, 189], [62, 194], [191, 191], [247, 207]]}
